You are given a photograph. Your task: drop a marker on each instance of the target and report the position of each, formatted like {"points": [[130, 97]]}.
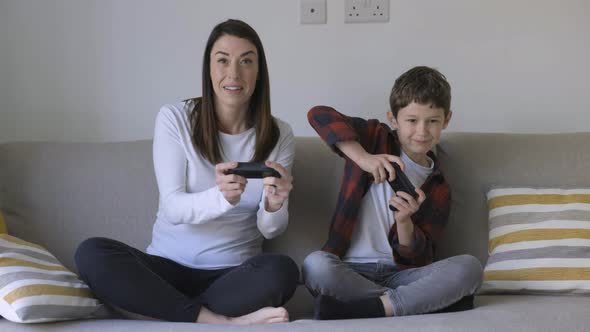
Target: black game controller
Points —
{"points": [[253, 171], [402, 183]]}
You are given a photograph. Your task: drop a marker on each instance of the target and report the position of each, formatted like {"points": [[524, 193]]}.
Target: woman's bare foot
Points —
{"points": [[262, 316]]}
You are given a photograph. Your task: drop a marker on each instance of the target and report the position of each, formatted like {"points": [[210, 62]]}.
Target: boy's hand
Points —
{"points": [[406, 205], [379, 165], [277, 189], [231, 185]]}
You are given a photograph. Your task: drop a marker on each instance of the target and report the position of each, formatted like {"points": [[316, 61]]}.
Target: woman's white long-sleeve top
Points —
{"points": [[195, 225]]}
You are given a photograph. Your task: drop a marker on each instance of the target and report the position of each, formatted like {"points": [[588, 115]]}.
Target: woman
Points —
{"points": [[204, 263]]}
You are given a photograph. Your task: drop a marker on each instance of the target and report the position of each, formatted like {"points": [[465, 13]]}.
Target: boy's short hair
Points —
{"points": [[423, 85]]}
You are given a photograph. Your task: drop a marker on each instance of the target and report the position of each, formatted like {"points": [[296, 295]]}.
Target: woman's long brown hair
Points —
{"points": [[203, 119]]}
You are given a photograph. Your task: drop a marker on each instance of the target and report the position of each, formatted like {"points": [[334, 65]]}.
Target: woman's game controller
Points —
{"points": [[253, 171]]}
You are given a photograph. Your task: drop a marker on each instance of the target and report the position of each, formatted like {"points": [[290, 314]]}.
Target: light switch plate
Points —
{"points": [[313, 12]]}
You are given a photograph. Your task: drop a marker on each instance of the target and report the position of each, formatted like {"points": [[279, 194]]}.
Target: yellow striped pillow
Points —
{"points": [[2, 224], [35, 287], [539, 241]]}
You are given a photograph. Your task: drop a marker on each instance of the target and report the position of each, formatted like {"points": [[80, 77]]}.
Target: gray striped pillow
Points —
{"points": [[35, 287], [539, 241]]}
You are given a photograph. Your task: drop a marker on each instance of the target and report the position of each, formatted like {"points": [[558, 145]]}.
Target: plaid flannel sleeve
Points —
{"points": [[429, 224], [332, 126]]}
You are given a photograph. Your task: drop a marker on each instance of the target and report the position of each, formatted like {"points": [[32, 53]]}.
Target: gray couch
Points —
{"points": [[57, 194]]}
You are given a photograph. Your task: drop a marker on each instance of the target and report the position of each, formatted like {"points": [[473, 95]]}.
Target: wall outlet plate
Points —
{"points": [[313, 12], [362, 11]]}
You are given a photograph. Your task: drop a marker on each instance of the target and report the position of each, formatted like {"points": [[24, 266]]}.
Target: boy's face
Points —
{"points": [[419, 127]]}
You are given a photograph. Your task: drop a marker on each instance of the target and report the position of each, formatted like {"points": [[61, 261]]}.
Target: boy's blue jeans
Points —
{"points": [[411, 291]]}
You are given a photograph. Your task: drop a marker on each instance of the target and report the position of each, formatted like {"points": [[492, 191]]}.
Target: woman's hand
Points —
{"points": [[406, 205], [277, 189], [379, 166], [231, 186]]}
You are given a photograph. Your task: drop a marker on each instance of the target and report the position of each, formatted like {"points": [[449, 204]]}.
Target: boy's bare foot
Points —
{"points": [[262, 316]]}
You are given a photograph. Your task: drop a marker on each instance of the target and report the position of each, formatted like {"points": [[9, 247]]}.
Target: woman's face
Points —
{"points": [[234, 70]]}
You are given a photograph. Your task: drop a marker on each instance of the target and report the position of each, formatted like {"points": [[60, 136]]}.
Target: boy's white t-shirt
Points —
{"points": [[370, 243]]}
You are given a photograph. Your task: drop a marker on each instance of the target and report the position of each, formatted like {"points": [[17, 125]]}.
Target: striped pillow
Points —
{"points": [[2, 224], [539, 241], [35, 287]]}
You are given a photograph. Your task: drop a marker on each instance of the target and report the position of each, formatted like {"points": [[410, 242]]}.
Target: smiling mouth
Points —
{"points": [[232, 88]]}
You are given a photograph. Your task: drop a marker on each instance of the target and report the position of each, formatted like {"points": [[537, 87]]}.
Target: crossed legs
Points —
{"points": [[155, 287], [413, 291]]}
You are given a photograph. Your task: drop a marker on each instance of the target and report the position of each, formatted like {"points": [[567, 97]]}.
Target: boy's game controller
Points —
{"points": [[402, 183], [253, 171]]}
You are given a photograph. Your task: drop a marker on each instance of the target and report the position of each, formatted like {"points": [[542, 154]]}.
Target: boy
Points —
{"points": [[377, 262]]}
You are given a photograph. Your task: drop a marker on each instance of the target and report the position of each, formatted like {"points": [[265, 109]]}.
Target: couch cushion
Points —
{"points": [[476, 162], [539, 241], [492, 313], [58, 194]]}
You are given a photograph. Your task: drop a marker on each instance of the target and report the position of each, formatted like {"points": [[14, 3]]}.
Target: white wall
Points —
{"points": [[98, 70]]}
